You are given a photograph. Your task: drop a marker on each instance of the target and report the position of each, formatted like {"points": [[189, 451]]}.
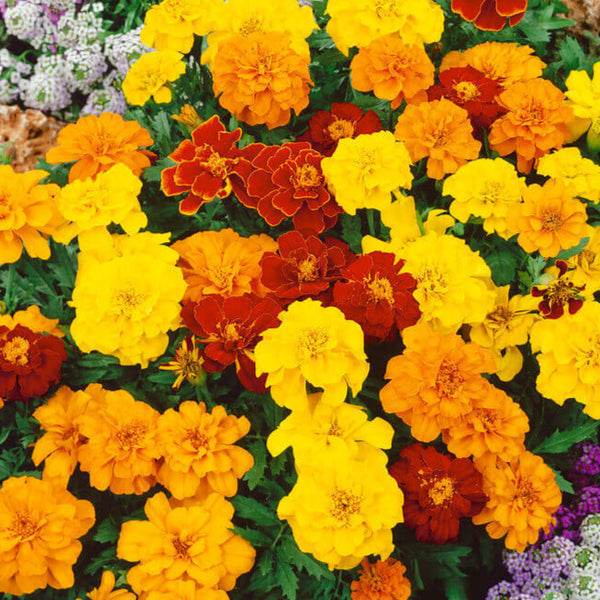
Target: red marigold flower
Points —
{"points": [[438, 491], [557, 293], [473, 91], [490, 15], [287, 181], [207, 166], [377, 296], [304, 267], [29, 362], [231, 328], [327, 128]]}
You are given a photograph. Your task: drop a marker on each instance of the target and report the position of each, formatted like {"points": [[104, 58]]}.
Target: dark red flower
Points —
{"points": [[304, 267], [490, 15], [376, 295], [438, 491], [327, 128], [29, 362], [471, 90], [287, 181], [557, 293], [208, 166], [231, 328]]}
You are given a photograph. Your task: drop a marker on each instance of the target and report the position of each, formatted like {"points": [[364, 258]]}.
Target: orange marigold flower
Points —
{"points": [[199, 452], [440, 130], [222, 262], [381, 580], [523, 496], [536, 121], [549, 219], [121, 452], [32, 318], [40, 527], [98, 143], [434, 382], [259, 78], [106, 590], [392, 69]]}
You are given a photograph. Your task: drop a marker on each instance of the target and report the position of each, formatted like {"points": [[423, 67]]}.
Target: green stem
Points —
{"points": [[9, 286], [371, 221], [278, 536]]}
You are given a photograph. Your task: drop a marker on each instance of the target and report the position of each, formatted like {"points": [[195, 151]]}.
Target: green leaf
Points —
{"points": [[107, 532], [255, 474], [253, 510], [503, 264], [286, 579], [351, 229], [565, 254], [455, 589], [288, 550], [562, 441], [562, 483]]}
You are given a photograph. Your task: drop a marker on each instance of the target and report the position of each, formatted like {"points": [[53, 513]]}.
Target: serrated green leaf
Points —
{"points": [[286, 579], [455, 589], [562, 441], [562, 483], [255, 474], [107, 532], [288, 550], [253, 510]]}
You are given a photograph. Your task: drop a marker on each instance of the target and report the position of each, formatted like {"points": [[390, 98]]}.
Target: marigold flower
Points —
{"points": [[231, 328], [523, 496], [184, 590], [121, 451], [106, 590], [381, 580], [585, 265], [535, 122], [440, 130], [364, 171], [98, 143], [327, 128], [435, 380], [549, 219], [557, 292], [222, 262], [187, 363], [253, 95], [374, 293], [392, 69], [491, 15], [438, 491], [184, 542], [287, 181], [583, 96], [112, 197], [27, 214], [40, 527], [488, 195], [207, 166], [126, 295], [32, 318], [313, 344], [189, 117], [344, 510]]}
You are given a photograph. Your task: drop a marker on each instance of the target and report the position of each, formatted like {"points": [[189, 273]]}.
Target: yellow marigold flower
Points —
{"points": [[122, 450], [106, 590], [180, 543], [441, 131], [495, 425], [569, 357], [313, 344], [188, 117], [549, 219], [325, 430], [27, 214], [582, 174], [505, 62], [184, 590], [32, 318], [172, 24], [112, 197], [40, 527], [585, 265], [198, 448], [583, 96], [344, 510], [126, 295], [150, 75], [365, 170], [452, 281], [359, 22], [523, 496], [485, 188], [222, 262]]}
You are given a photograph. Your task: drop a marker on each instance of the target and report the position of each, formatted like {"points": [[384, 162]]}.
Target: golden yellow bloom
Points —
{"points": [[122, 450], [126, 295], [344, 510], [585, 265], [180, 543], [187, 363], [112, 197], [523, 496], [150, 75], [583, 96], [485, 188], [184, 590], [199, 452], [106, 591], [189, 117], [32, 318], [40, 527], [313, 344]]}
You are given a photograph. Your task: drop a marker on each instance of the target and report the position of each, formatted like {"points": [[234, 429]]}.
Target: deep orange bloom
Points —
{"points": [[440, 130], [536, 121], [259, 78], [381, 580], [98, 143], [490, 15]]}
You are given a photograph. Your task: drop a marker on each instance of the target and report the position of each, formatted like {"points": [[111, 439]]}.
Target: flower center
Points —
{"points": [[313, 341], [222, 276], [335, 430], [380, 289], [249, 26], [217, 165], [449, 380], [500, 317], [23, 527], [181, 547], [365, 160], [130, 436], [590, 355], [127, 300], [526, 493], [491, 192], [551, 220], [307, 269], [589, 256], [441, 491], [341, 128], [561, 291], [152, 80], [16, 351], [431, 282], [198, 439], [466, 90], [531, 114], [343, 505], [487, 417], [307, 176], [438, 137], [231, 332], [385, 8]]}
